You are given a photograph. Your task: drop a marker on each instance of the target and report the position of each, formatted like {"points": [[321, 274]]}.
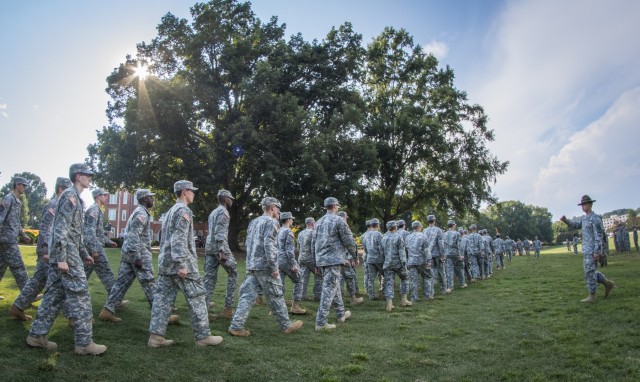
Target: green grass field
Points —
{"points": [[524, 324]]}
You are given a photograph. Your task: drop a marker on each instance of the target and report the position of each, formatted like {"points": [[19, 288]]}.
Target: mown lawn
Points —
{"points": [[524, 324]]}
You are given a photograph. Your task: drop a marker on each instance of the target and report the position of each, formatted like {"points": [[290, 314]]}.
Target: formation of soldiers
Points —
{"points": [[72, 242], [621, 238]]}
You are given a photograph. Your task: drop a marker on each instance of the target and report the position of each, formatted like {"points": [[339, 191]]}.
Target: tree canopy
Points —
{"points": [[230, 103]]}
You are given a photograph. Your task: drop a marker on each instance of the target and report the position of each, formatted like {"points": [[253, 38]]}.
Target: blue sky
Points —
{"points": [[560, 80]]}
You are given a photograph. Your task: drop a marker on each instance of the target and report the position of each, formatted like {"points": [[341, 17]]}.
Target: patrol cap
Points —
{"points": [[270, 201], [473, 226], [309, 220], [391, 224], [331, 201], [368, 223], [451, 222], [142, 192], [416, 224], [374, 221], [286, 215], [79, 168], [585, 199], [183, 185], [225, 193], [20, 180], [507, 237], [465, 231], [431, 218], [63, 182], [98, 191], [461, 230], [401, 223], [342, 214]]}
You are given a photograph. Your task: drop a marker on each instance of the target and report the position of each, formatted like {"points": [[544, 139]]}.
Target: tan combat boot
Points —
{"points": [[156, 341], [608, 286], [41, 342], [122, 304], [345, 317], [390, 306], [209, 341], [259, 300], [591, 298], [106, 315], [18, 313], [297, 309], [404, 301], [326, 327], [91, 349], [239, 332], [356, 300], [293, 327], [227, 313], [38, 297], [173, 319]]}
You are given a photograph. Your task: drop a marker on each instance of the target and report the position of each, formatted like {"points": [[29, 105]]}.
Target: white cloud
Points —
{"points": [[3, 108], [600, 160], [554, 67], [437, 48]]}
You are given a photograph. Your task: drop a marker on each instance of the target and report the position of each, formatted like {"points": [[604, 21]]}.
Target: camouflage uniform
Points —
{"points": [[454, 253], [395, 263], [217, 241], [508, 247], [475, 247], [499, 246], [285, 246], [375, 260], [348, 275], [592, 228], [519, 247], [330, 242], [575, 245], [71, 287], [178, 251], [262, 261], [95, 240], [308, 265], [10, 228], [487, 257], [527, 246], [434, 237], [136, 249], [536, 247], [635, 238], [419, 262], [467, 260], [36, 283], [363, 259]]}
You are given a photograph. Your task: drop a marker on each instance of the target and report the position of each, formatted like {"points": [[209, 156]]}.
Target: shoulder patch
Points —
{"points": [[93, 213], [142, 218], [68, 207], [52, 211], [186, 217], [72, 200], [4, 204]]}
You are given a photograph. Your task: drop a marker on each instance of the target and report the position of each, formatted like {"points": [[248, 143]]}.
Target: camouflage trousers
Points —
{"points": [[467, 267], [509, 255], [260, 282], [103, 270], [306, 273], [350, 277], [575, 249], [331, 296], [126, 274], [390, 281], [527, 251], [374, 271], [438, 266], [475, 266], [455, 267], [10, 257], [499, 260], [164, 299], [211, 265], [70, 290], [296, 277], [415, 272], [536, 252], [483, 265], [490, 264], [591, 273]]}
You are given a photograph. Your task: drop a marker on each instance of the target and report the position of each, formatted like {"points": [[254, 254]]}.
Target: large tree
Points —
{"points": [[431, 143], [230, 104]]}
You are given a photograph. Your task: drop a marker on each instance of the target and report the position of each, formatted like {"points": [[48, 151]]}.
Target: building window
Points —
{"points": [[112, 214], [125, 197], [113, 199], [124, 216], [135, 201]]}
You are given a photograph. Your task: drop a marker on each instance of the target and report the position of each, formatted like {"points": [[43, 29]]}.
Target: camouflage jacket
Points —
{"points": [[285, 244], [332, 241], [65, 242], [138, 236], [434, 239], [417, 248], [10, 211], [217, 239], [94, 236], [395, 255], [261, 244], [488, 245], [178, 246], [475, 244], [499, 245], [592, 228], [305, 257], [372, 245], [453, 243], [48, 213]]}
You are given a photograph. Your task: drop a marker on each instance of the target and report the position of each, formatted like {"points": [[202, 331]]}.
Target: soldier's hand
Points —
{"points": [[45, 257], [346, 263], [113, 245], [223, 257], [95, 255], [182, 273], [296, 269], [138, 264], [89, 260], [63, 266], [275, 274], [27, 239], [596, 256]]}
